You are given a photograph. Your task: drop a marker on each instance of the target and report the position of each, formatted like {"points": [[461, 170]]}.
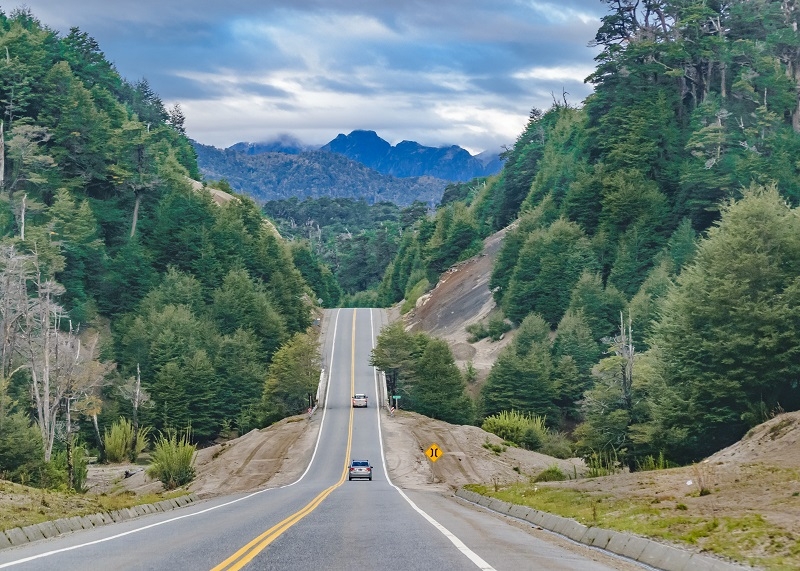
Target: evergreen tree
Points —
{"points": [[438, 389], [549, 265], [574, 340], [728, 330], [241, 303], [293, 378], [600, 306]]}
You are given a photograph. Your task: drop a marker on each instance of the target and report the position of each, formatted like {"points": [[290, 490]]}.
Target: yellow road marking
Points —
{"points": [[246, 554]]}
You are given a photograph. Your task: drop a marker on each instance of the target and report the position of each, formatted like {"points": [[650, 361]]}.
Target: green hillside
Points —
{"points": [[652, 267], [124, 292]]}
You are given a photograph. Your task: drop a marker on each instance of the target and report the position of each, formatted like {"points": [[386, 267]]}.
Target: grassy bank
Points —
{"points": [[746, 538], [21, 505]]}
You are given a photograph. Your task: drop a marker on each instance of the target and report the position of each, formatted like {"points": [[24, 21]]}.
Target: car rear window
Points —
{"points": [[360, 463], [361, 396]]}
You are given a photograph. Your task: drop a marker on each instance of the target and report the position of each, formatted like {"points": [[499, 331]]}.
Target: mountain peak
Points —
{"points": [[411, 159]]}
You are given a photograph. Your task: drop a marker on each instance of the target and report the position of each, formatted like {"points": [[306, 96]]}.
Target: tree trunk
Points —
{"points": [[136, 395], [135, 214], [22, 218], [101, 448], [2, 157], [70, 465], [796, 113]]}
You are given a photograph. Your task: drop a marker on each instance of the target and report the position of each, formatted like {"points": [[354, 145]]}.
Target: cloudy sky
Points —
{"points": [[438, 72]]}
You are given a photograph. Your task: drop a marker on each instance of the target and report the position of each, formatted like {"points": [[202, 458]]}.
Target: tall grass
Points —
{"points": [[119, 441], [603, 463], [650, 462], [172, 460]]}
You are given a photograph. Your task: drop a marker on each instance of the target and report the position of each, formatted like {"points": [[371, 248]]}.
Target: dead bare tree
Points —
{"points": [[57, 365], [139, 398], [15, 270]]}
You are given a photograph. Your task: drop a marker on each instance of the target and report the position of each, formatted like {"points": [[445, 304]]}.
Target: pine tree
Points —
{"points": [[438, 389]]}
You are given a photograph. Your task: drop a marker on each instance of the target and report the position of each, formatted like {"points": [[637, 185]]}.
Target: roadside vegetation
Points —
{"points": [[650, 269], [23, 505], [747, 538]]}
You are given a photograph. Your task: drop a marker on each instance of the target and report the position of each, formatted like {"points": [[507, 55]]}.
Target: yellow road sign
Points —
{"points": [[434, 453]]}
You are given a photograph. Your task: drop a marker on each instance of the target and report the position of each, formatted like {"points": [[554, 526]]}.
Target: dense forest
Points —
{"points": [[126, 290], [652, 263], [342, 245]]}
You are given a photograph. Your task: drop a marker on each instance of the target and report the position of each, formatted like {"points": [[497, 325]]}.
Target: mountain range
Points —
{"points": [[358, 165], [409, 158]]}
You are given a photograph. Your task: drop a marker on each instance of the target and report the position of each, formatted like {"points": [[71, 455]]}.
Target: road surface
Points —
{"points": [[322, 521]]}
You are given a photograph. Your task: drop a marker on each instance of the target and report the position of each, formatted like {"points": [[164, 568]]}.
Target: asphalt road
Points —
{"points": [[322, 521]]}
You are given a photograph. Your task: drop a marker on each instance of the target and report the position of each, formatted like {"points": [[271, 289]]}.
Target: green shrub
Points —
{"points": [[80, 463], [532, 438], [551, 474], [119, 441], [603, 463], [497, 327], [526, 430], [142, 436], [650, 463], [557, 445], [414, 294], [477, 331], [496, 448], [470, 373], [173, 461], [21, 450]]}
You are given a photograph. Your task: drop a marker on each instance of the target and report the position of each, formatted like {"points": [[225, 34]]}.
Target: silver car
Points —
{"points": [[360, 469], [359, 400]]}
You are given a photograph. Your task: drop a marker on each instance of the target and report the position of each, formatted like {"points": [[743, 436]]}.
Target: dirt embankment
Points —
{"points": [[462, 297]]}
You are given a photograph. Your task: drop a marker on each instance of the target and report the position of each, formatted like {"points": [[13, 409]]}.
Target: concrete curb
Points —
{"points": [[45, 530], [641, 549]]}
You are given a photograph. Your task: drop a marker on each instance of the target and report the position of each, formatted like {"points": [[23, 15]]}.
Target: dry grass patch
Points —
{"points": [[21, 505]]}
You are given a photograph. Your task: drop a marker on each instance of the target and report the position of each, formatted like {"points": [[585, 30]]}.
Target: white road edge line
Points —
{"points": [[474, 557], [138, 529]]}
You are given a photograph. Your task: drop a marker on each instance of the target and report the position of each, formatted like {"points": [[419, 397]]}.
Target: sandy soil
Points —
{"points": [[264, 458], [758, 475]]}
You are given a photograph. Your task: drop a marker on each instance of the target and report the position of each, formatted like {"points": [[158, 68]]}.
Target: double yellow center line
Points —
{"points": [[244, 555]]}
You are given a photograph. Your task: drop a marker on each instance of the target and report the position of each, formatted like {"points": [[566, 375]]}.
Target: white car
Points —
{"points": [[359, 400]]}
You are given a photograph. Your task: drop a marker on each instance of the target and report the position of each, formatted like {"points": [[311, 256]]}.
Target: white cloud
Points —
{"points": [[556, 73], [463, 72]]}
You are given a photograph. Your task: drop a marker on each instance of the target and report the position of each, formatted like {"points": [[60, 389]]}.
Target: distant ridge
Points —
{"points": [[358, 165], [311, 174]]}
